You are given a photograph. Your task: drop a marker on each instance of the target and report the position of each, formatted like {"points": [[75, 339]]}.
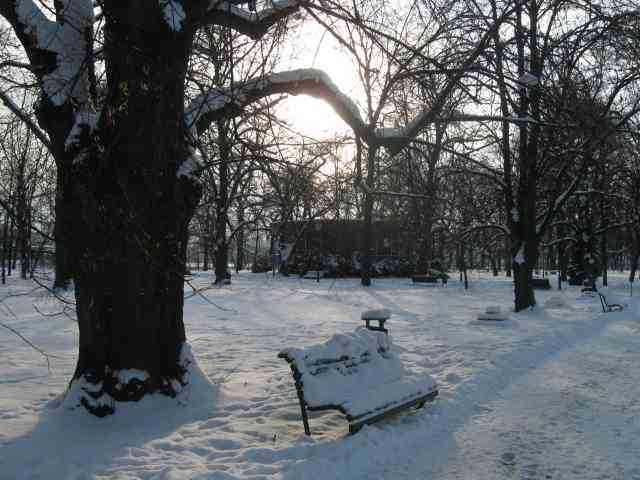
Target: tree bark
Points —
{"points": [[131, 212], [524, 261], [222, 205], [494, 266], [240, 238], [5, 247], [62, 227]]}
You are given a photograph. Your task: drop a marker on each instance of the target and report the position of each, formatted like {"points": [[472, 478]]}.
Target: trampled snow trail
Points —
{"points": [[575, 416]]}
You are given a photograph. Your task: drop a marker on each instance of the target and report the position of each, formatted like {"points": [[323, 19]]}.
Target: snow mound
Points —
{"points": [[493, 313], [556, 301]]}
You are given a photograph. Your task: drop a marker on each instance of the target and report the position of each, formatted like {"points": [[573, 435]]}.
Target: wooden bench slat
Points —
{"points": [[380, 414], [390, 405]]}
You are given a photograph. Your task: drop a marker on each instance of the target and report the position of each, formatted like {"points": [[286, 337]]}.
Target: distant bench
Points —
{"points": [[609, 307], [358, 375], [313, 275], [427, 279]]}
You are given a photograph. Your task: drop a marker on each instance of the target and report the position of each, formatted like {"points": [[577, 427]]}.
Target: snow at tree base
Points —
{"points": [[552, 393]]}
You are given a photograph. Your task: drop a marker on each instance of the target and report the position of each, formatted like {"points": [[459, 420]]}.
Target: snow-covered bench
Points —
{"points": [[357, 374], [609, 307]]}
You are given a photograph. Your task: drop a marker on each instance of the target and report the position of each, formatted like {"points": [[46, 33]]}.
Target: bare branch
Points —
{"points": [[17, 111], [253, 24]]}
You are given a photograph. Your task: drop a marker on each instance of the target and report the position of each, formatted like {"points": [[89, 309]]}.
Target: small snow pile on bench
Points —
{"points": [[493, 313], [358, 374], [376, 314]]}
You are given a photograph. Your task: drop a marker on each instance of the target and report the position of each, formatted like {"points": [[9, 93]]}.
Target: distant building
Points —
{"points": [[337, 244]]}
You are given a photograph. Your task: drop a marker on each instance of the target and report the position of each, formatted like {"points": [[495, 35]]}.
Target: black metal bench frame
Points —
{"points": [[355, 422], [609, 307]]}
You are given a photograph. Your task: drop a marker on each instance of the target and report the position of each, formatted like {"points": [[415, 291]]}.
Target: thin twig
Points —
{"points": [[198, 292], [54, 293]]}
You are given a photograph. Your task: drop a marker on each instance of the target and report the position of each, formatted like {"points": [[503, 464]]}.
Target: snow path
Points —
{"points": [[550, 392], [577, 415]]}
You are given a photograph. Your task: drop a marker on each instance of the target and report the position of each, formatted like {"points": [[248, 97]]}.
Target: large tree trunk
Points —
{"points": [[494, 266], [131, 212], [524, 297], [524, 261], [222, 205], [635, 254], [240, 238], [5, 247]]}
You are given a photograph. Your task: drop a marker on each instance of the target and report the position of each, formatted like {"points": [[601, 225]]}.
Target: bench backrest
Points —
{"points": [[346, 365]]}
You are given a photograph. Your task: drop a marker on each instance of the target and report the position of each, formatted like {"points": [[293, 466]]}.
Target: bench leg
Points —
{"points": [[305, 417], [354, 428], [303, 405], [303, 410]]}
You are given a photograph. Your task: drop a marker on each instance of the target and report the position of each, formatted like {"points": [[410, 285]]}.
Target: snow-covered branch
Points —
{"points": [[58, 50], [252, 24], [225, 102]]}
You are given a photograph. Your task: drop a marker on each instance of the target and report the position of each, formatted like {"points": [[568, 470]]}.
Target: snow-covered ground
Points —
{"points": [[552, 393]]}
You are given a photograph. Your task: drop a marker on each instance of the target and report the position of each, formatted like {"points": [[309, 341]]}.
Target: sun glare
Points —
{"points": [[308, 115], [313, 117]]}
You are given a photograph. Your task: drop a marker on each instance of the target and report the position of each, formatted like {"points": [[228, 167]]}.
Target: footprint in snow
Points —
{"points": [[508, 458]]}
